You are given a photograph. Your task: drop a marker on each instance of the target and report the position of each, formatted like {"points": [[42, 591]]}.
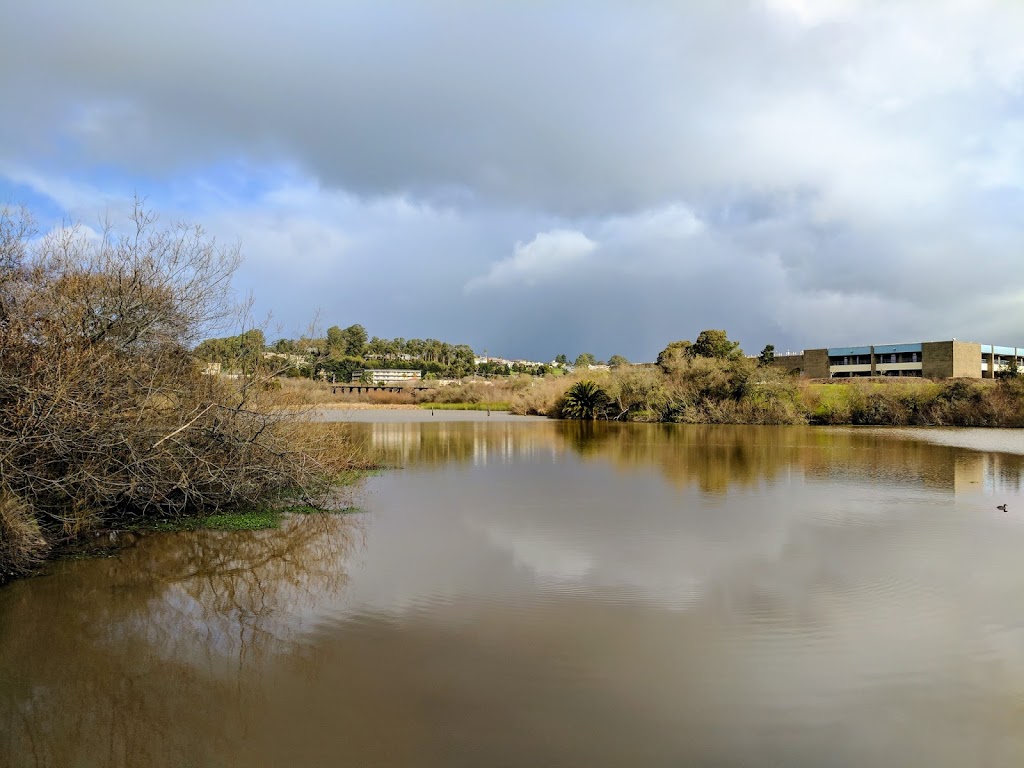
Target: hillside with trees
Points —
{"points": [[343, 350]]}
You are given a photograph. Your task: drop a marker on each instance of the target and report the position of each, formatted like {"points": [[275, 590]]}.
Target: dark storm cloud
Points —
{"points": [[797, 171], [556, 106]]}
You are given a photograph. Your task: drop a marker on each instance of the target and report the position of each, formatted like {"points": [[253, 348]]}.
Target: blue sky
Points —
{"points": [[535, 179]]}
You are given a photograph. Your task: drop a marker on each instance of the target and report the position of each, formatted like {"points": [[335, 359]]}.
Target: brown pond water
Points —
{"points": [[549, 594]]}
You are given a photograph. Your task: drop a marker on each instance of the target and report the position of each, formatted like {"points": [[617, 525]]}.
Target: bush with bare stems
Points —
{"points": [[106, 415]]}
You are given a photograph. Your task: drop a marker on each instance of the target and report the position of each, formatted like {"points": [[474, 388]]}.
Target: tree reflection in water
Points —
{"points": [[181, 648], [714, 458]]}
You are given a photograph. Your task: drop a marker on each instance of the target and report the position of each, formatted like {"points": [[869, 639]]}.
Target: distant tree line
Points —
{"points": [[244, 350], [344, 350], [585, 359]]}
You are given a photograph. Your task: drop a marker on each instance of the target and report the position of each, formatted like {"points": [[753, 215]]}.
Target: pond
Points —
{"points": [[529, 593]]}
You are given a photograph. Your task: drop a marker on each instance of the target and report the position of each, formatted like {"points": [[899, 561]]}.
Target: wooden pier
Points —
{"points": [[360, 388]]}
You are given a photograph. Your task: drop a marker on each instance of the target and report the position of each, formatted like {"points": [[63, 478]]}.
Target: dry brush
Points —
{"points": [[106, 415]]}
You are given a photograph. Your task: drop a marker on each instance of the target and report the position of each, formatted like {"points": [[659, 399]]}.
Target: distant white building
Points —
{"points": [[495, 360], [504, 361]]}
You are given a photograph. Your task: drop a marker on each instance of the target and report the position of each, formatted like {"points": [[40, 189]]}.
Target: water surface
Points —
{"points": [[541, 593]]}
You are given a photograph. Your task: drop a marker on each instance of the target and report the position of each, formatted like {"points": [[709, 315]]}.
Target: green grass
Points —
{"points": [[249, 520], [353, 476], [305, 509], [468, 406], [836, 396], [254, 520]]}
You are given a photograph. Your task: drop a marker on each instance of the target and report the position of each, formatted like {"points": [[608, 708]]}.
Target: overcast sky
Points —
{"points": [[535, 178]]}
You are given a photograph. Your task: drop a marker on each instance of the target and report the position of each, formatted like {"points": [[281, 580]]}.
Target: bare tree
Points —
{"points": [[106, 413]]}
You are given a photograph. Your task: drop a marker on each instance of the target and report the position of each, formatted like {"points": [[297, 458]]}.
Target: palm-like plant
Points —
{"points": [[585, 400]]}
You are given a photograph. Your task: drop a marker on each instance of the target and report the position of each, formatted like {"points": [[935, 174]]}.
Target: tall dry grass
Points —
{"points": [[914, 402], [300, 394], [710, 391], [297, 394]]}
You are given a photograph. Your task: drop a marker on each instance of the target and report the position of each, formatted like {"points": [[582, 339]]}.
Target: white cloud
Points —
{"points": [[812, 12], [622, 244], [548, 255], [80, 199], [672, 222]]}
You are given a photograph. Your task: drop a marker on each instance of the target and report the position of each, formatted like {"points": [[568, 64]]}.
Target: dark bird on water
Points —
{"points": [[1001, 507]]}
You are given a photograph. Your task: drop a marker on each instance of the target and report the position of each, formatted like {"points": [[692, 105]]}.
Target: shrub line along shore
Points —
{"points": [[710, 391]]}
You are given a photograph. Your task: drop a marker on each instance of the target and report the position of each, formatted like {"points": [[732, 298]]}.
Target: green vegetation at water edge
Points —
{"points": [[710, 381], [255, 520], [247, 520], [467, 406], [350, 477], [250, 520], [305, 509]]}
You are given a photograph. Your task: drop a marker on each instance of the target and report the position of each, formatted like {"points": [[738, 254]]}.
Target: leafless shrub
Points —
{"points": [[106, 414]]}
